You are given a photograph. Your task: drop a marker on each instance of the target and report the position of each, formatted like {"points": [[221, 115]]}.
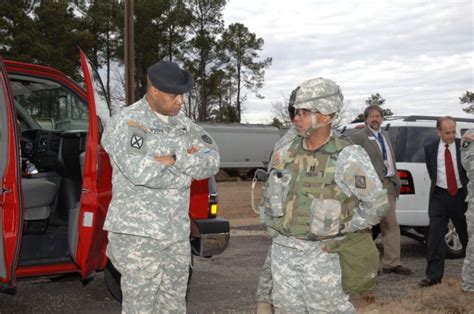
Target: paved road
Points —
{"points": [[225, 283]]}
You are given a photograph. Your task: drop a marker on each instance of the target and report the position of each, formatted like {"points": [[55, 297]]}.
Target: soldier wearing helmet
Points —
{"points": [[321, 190]]}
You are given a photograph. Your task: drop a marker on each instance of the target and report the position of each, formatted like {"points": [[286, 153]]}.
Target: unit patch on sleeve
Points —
{"points": [[136, 141], [360, 182], [206, 138]]}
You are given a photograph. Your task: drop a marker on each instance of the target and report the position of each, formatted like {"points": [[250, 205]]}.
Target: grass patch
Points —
{"points": [[446, 297]]}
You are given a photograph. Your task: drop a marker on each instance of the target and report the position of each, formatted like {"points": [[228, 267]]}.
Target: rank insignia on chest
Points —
{"points": [[360, 182], [315, 174], [136, 141]]}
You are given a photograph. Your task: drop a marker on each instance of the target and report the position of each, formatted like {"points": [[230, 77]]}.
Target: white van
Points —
{"points": [[409, 135]]}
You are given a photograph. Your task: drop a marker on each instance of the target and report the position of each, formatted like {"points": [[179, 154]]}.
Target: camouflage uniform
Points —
{"points": [[264, 288], [312, 197], [467, 158], [148, 220]]}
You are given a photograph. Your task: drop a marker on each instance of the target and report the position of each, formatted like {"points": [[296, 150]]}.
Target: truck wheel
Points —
{"points": [[454, 247], [112, 281]]}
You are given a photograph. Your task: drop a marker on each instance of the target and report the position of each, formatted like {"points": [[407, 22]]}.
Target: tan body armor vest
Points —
{"points": [[315, 208]]}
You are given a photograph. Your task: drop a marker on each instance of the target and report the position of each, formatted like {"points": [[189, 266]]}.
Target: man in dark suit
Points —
{"points": [[379, 147], [447, 197]]}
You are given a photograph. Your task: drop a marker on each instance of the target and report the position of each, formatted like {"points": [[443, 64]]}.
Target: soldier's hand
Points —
{"points": [[193, 149], [469, 137], [166, 160]]}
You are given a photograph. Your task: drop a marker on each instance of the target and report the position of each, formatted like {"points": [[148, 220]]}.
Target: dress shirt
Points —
{"points": [[389, 163], [441, 180]]}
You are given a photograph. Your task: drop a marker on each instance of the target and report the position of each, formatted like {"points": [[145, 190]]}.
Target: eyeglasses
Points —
{"points": [[304, 112]]}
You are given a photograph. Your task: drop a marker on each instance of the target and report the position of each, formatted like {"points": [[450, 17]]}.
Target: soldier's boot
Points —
{"points": [[264, 308]]}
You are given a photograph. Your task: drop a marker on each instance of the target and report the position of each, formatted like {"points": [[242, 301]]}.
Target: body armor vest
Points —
{"points": [[315, 207]]}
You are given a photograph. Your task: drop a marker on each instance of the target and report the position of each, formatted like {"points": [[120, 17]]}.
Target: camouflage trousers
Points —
{"points": [[264, 288], [468, 266], [154, 274], [306, 279]]}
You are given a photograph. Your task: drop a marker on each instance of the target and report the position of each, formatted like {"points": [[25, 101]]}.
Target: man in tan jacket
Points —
{"points": [[377, 144]]}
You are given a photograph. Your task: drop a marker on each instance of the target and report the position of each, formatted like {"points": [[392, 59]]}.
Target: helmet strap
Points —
{"points": [[315, 125]]}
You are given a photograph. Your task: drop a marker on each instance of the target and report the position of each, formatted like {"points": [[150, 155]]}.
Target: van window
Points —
{"points": [[52, 105], [417, 138]]}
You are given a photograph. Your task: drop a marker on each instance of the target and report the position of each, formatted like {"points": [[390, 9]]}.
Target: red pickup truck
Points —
{"points": [[56, 178]]}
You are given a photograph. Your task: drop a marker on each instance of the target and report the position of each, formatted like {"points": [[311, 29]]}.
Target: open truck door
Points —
{"points": [[11, 203], [96, 194]]}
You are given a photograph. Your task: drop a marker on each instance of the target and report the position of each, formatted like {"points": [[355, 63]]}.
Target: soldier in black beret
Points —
{"points": [[167, 83], [155, 151]]}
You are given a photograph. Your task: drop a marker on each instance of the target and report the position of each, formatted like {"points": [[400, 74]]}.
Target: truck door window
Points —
{"points": [[52, 105]]}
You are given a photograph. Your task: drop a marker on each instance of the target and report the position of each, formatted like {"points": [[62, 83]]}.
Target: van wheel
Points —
{"points": [[454, 247], [112, 281]]}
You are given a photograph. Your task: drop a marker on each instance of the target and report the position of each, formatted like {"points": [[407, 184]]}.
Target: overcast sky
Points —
{"points": [[417, 54]]}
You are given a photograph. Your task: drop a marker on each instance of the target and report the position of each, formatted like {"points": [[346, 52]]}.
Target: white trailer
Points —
{"points": [[244, 147]]}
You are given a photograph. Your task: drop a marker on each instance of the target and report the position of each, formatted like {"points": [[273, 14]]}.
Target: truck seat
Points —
{"points": [[38, 194]]}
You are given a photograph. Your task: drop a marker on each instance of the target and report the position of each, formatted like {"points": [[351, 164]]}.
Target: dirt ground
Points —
{"points": [[235, 201], [393, 296]]}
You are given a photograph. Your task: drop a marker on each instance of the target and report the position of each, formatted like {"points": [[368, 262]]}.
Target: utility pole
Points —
{"points": [[129, 54]]}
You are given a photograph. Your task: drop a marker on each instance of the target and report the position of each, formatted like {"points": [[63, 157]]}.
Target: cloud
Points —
{"points": [[417, 54]]}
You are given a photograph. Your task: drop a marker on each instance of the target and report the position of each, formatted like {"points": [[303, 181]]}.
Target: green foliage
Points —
{"points": [[203, 52], [375, 99], [103, 20], [468, 98], [222, 61], [160, 33], [227, 114], [241, 48], [18, 36], [45, 32], [277, 123]]}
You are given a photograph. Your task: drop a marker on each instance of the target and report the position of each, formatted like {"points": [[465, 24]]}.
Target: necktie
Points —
{"points": [[382, 146], [450, 175]]}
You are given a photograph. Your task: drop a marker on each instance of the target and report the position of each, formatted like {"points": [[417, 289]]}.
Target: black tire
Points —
{"points": [[112, 281]]}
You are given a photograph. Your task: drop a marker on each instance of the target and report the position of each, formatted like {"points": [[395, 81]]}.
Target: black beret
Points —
{"points": [[169, 78]]}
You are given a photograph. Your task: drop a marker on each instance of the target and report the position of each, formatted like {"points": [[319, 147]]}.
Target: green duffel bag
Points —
{"points": [[359, 260]]}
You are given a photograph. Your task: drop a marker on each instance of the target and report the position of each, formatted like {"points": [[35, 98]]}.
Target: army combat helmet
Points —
{"points": [[318, 95]]}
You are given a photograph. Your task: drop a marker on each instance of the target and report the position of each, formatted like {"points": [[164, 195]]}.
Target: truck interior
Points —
{"points": [[53, 123]]}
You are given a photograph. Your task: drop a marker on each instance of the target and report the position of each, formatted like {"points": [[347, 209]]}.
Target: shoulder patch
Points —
{"points": [[198, 133], [360, 182], [207, 139], [466, 144], [136, 140]]}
